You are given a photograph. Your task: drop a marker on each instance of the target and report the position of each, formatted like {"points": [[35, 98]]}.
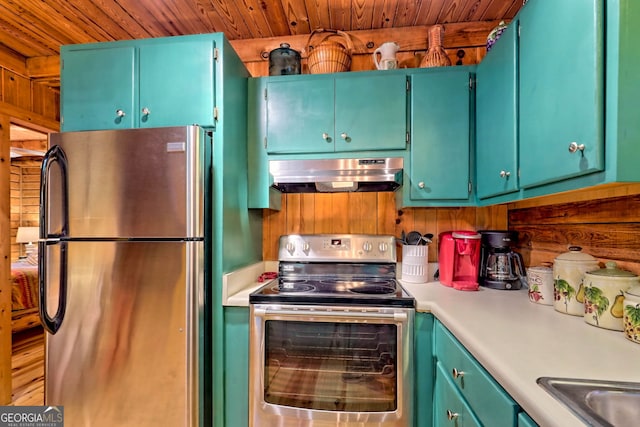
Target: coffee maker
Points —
{"points": [[500, 266], [459, 259]]}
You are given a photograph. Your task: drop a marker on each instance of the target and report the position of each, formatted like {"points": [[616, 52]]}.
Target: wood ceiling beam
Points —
{"points": [[43, 67]]}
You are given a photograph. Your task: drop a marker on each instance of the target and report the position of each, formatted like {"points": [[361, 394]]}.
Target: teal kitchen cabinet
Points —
{"points": [[424, 363], [497, 117], [344, 112], [561, 85], [158, 82], [236, 367], [450, 408], [441, 105], [486, 399]]}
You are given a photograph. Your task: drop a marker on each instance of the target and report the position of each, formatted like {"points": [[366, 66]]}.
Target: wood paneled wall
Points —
{"points": [[25, 198], [605, 222], [369, 213]]}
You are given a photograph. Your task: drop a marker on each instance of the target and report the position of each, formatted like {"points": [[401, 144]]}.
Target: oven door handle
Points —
{"points": [[262, 312]]}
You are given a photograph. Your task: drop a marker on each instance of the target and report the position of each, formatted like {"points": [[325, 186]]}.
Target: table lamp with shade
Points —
{"points": [[28, 235]]}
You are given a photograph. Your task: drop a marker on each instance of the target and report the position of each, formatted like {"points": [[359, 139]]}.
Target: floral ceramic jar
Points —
{"points": [[568, 277], [631, 314], [604, 295]]}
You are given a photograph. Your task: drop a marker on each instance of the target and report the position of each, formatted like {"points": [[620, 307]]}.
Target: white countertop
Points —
{"points": [[518, 341], [515, 340]]}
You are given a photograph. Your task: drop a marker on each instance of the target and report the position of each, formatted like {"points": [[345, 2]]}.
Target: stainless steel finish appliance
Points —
{"points": [[122, 268], [331, 341], [337, 175], [501, 267]]}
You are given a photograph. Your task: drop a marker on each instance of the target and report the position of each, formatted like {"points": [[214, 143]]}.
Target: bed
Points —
{"points": [[24, 296]]}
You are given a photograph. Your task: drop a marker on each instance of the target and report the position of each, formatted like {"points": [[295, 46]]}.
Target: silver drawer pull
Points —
{"points": [[574, 146], [457, 373], [451, 415]]}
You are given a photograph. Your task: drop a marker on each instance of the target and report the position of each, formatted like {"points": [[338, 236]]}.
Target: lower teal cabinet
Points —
{"points": [[236, 367], [450, 408], [488, 401], [525, 420], [423, 365]]}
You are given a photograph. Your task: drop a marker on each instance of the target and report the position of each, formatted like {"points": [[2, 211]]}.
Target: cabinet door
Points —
{"points": [[177, 84], [300, 116], [496, 112], [96, 84], [424, 368], [449, 407], [371, 112], [440, 135], [561, 90]]}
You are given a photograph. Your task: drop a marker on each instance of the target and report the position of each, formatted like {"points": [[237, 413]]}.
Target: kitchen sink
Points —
{"points": [[598, 403]]}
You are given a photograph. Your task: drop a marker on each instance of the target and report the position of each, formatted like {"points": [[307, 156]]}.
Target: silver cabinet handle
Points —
{"points": [[325, 136], [120, 113], [457, 373], [146, 111], [451, 415], [505, 174], [421, 184], [344, 136], [574, 146]]}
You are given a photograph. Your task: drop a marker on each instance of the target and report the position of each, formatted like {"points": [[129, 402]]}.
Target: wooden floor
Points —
{"points": [[27, 367]]}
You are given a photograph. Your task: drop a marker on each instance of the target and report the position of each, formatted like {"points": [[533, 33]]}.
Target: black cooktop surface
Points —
{"points": [[352, 291]]}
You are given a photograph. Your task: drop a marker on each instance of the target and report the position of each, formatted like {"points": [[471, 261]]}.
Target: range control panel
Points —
{"points": [[337, 248]]}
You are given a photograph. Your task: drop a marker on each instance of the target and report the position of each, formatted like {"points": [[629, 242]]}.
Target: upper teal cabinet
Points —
{"points": [[343, 112], [441, 129], [497, 117], [562, 90], [139, 83]]}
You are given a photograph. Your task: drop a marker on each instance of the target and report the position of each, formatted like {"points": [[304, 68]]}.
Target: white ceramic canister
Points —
{"points": [[631, 314], [540, 282], [415, 263], [604, 296], [568, 276]]}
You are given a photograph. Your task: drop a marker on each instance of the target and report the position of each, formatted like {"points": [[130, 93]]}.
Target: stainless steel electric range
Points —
{"points": [[332, 338]]}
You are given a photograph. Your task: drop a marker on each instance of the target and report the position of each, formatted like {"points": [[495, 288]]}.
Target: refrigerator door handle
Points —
{"points": [[54, 155]]}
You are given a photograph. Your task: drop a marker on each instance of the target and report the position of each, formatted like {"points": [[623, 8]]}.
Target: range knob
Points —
{"points": [[383, 247], [306, 248], [290, 247], [367, 246]]}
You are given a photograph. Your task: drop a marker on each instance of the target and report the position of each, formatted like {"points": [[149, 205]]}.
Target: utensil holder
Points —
{"points": [[415, 263]]}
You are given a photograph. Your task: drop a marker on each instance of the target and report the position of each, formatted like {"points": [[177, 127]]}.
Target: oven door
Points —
{"points": [[320, 366]]}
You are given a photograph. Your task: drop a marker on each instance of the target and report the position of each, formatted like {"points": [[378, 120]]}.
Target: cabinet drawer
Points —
{"points": [[492, 405], [450, 408]]}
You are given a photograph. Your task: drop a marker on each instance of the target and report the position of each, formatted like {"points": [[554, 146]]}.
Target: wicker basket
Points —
{"points": [[329, 56]]}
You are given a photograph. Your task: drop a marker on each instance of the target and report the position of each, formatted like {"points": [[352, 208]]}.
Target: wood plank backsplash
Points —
{"points": [[605, 222], [369, 213], [607, 228]]}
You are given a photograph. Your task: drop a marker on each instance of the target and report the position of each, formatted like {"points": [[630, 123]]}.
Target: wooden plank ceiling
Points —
{"points": [[37, 28]]}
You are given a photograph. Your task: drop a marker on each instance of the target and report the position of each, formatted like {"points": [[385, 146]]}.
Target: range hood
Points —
{"points": [[337, 175]]}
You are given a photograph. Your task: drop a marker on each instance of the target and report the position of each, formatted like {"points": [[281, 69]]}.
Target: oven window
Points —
{"points": [[349, 367]]}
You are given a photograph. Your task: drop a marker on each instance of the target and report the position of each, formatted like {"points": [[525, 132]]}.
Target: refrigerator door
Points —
{"points": [[135, 183], [127, 350]]}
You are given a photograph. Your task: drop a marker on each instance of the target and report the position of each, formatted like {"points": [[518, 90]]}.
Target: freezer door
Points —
{"points": [[127, 350], [136, 183]]}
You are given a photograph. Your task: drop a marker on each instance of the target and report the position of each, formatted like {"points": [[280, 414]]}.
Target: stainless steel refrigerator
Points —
{"points": [[123, 260]]}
